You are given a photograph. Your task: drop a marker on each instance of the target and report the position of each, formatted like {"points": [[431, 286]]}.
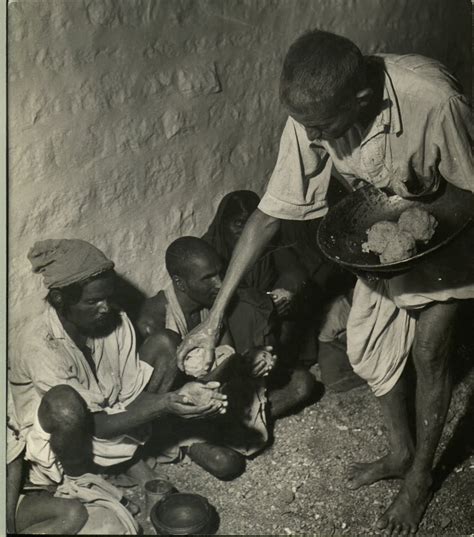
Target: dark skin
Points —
{"points": [[41, 512], [430, 350], [196, 290], [96, 310], [291, 273]]}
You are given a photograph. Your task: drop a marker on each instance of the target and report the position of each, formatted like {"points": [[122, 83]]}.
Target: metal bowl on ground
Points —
{"points": [[182, 514], [344, 228]]}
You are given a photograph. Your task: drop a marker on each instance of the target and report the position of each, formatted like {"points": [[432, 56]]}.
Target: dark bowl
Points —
{"points": [[344, 228], [181, 514]]}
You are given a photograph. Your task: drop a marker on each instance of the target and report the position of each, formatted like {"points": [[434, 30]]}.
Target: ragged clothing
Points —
{"points": [[382, 320], [423, 130], [423, 133], [247, 396], [106, 514], [49, 357]]}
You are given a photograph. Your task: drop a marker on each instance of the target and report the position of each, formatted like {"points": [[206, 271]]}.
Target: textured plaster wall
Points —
{"points": [[129, 119]]}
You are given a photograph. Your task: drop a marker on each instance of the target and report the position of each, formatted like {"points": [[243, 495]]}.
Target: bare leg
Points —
{"points": [[298, 390], [222, 462], [431, 350], [64, 414], [159, 350], [42, 513], [399, 458]]}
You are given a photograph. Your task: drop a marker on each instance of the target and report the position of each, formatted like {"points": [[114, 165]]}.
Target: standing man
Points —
{"points": [[399, 123]]}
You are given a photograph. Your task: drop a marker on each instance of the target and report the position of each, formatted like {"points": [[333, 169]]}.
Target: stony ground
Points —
{"points": [[297, 486]]}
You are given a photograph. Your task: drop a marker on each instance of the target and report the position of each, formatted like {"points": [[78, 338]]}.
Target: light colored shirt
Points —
{"points": [[424, 129], [15, 440], [49, 357]]}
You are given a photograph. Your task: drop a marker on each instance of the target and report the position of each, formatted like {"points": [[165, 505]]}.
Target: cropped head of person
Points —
{"points": [[232, 214], [81, 284], [323, 84]]}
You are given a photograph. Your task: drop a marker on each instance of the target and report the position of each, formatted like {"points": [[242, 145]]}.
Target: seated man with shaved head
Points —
{"points": [[83, 395], [195, 270]]}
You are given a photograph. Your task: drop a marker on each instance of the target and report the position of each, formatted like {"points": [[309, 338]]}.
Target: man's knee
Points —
{"points": [[304, 386], [429, 353], [74, 517], [434, 336], [222, 462], [160, 346], [62, 408], [228, 464]]}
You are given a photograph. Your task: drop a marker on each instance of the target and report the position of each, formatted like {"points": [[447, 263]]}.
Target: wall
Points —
{"points": [[129, 119]]}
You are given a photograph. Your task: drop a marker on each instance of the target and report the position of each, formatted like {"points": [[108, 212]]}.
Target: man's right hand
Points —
{"points": [[204, 336], [197, 400]]}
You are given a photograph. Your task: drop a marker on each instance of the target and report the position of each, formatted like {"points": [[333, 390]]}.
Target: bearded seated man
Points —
{"points": [[84, 397], [243, 357]]}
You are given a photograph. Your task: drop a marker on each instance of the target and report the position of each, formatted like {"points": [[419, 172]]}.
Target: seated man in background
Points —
{"points": [[195, 270], [278, 272], [336, 371], [83, 396]]}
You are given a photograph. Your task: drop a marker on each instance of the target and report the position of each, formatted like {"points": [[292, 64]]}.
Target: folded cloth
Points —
{"points": [[379, 336], [107, 516], [382, 320], [66, 261]]}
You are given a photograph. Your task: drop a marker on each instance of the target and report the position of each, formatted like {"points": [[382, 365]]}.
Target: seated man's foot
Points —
{"points": [[366, 473], [404, 515], [141, 473], [222, 462]]}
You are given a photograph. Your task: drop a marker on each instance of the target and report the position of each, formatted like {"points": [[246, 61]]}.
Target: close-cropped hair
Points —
{"points": [[182, 251], [72, 293], [320, 68]]}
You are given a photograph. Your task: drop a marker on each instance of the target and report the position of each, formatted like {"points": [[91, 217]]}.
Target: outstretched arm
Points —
{"points": [[149, 406], [257, 233]]}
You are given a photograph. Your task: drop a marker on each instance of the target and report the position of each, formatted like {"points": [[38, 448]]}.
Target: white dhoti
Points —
{"points": [[382, 320]]}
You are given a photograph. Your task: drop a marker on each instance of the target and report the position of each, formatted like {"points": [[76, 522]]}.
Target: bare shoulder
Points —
{"points": [[152, 313]]}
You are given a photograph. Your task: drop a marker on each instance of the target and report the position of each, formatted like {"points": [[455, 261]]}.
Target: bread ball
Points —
{"points": [[379, 235], [194, 363], [400, 247], [419, 223]]}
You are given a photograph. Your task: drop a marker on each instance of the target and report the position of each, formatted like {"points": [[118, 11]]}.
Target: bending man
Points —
{"points": [[399, 123]]}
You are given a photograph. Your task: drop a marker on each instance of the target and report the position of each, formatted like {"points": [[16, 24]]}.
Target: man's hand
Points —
{"points": [[261, 361], [204, 336], [199, 393], [282, 299], [196, 400]]}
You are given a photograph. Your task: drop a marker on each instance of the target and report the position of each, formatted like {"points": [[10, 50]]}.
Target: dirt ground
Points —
{"points": [[297, 485]]}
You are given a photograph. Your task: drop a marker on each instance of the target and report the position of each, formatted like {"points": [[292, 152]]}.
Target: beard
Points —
{"points": [[102, 327]]}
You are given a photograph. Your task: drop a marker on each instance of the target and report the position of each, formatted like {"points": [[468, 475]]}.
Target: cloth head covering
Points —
{"points": [[66, 261], [263, 273]]}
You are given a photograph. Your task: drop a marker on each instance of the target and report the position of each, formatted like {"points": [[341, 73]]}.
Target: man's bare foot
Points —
{"points": [[387, 467], [405, 513], [141, 473]]}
